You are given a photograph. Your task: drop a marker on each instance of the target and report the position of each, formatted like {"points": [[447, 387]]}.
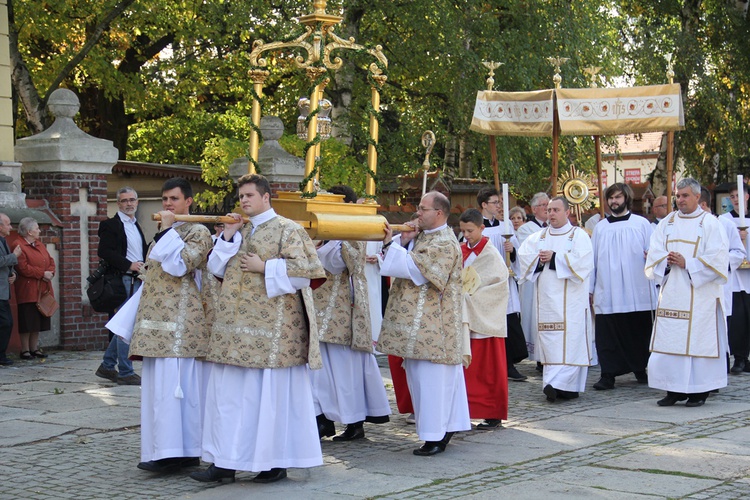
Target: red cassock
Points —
{"points": [[400, 387], [487, 379]]}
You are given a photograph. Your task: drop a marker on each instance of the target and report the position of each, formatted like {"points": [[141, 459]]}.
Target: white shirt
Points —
{"points": [[133, 237]]}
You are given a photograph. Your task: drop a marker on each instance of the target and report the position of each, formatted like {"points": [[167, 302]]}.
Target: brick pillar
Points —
{"points": [[68, 168]]}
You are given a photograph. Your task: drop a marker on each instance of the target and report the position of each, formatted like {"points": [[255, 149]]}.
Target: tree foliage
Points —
{"points": [[167, 81]]}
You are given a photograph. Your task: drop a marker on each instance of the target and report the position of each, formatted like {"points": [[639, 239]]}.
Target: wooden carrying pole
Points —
{"points": [[493, 155], [602, 201], [225, 219]]}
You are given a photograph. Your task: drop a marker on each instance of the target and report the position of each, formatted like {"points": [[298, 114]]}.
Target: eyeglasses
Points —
{"points": [[426, 209], [128, 200], [496, 202]]}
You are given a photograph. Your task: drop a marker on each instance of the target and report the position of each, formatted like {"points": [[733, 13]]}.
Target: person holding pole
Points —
{"points": [[739, 321]]}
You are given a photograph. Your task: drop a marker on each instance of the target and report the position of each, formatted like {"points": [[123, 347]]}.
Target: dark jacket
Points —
{"points": [[113, 243]]}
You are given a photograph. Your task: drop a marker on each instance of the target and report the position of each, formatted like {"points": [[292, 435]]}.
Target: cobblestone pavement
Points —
{"points": [[65, 433]]}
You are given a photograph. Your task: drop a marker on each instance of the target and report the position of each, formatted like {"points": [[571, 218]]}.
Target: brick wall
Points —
{"points": [[81, 328]]}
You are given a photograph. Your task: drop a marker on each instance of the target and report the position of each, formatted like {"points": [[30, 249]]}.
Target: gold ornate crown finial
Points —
{"points": [[491, 66], [670, 67], [320, 6], [592, 72], [557, 62]]}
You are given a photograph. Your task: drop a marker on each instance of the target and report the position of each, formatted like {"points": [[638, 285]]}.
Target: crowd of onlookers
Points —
{"points": [[26, 270]]}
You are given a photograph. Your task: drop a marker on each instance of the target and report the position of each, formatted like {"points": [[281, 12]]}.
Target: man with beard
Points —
{"points": [[623, 298]]}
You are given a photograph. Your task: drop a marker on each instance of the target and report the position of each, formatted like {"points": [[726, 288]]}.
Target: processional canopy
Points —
{"points": [[323, 215]]}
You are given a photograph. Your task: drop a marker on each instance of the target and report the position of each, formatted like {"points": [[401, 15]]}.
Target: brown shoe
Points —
{"points": [[133, 379], [108, 373]]}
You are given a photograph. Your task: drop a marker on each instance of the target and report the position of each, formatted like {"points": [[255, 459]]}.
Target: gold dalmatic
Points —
{"points": [[171, 320]]}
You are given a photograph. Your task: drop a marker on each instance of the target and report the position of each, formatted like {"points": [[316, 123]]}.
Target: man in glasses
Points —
{"points": [[123, 247], [661, 209], [422, 321]]}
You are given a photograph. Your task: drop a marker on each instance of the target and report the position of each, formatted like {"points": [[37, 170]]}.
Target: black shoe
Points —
{"points": [[672, 398], [26, 355], [38, 354], [739, 366], [108, 373], [430, 448], [5, 361], [352, 432], [514, 374], [566, 394], [213, 474], [641, 377], [695, 400], [490, 423], [326, 428], [605, 383], [550, 392], [270, 476], [539, 367], [169, 465]]}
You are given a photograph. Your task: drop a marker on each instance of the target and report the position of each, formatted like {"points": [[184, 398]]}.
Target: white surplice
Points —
{"points": [[618, 282], [688, 343], [561, 303], [349, 387], [526, 296], [374, 289], [738, 279], [172, 389], [259, 418], [438, 391]]}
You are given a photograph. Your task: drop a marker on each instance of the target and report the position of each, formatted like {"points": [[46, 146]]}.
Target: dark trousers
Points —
{"points": [[6, 326], [739, 329], [623, 341], [515, 344]]}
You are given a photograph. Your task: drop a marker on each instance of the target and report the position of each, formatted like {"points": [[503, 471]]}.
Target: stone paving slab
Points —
{"points": [[548, 488], [101, 418], [607, 444], [687, 459], [14, 432], [636, 482], [677, 414], [613, 427]]}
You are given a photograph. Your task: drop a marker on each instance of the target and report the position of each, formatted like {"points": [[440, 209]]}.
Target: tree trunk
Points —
{"points": [[24, 89]]}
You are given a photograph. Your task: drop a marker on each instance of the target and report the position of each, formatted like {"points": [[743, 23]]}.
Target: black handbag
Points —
{"points": [[106, 290]]}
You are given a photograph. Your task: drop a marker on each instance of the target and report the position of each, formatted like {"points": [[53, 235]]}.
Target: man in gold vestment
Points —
{"points": [[259, 406], [422, 321], [170, 333]]}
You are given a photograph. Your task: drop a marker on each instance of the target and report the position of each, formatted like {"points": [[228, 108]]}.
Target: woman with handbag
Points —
{"points": [[35, 269]]}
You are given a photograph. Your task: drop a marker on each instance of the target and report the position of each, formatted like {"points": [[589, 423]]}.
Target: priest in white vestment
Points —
{"points": [[170, 332], [688, 257], [536, 222], [557, 261], [259, 405], [422, 322]]}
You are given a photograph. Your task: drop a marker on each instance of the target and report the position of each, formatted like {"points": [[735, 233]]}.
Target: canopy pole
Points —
{"points": [[602, 201]]}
